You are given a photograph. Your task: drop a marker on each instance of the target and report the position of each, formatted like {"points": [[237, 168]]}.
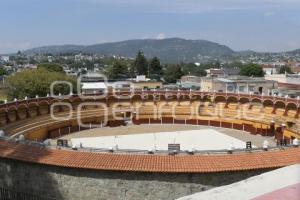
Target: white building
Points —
{"points": [[270, 70], [288, 84], [93, 87], [4, 58]]}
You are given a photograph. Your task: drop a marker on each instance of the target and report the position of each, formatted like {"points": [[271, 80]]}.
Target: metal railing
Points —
{"points": [[152, 151]]}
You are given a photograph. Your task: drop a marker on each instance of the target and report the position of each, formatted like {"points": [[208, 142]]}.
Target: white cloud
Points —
{"points": [[161, 36]]}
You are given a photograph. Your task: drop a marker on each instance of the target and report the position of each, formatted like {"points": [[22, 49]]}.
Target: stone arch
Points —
{"points": [[22, 111], [291, 109], [291, 106], [207, 98], [136, 97], [12, 114], [3, 116], [196, 97], [232, 99], [220, 99], [33, 109], [268, 103], [244, 100], [279, 104], [256, 100], [44, 107]]}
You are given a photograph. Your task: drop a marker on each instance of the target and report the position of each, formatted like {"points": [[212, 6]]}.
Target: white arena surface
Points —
{"points": [[204, 139]]}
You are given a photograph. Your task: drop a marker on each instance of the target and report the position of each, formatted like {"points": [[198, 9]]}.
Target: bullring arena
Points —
{"points": [[116, 147]]}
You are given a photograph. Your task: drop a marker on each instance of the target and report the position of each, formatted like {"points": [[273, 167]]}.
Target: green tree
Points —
{"points": [[285, 69], [117, 71], [192, 69], [252, 70], [155, 68], [2, 71], [37, 82], [52, 67], [140, 65], [235, 64], [172, 73]]}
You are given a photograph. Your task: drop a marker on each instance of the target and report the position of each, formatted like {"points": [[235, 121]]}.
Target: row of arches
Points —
{"points": [[35, 107]]}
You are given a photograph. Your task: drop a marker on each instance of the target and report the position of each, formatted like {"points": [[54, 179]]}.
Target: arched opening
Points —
{"points": [[279, 108], [22, 111], [3, 119], [291, 110], [12, 113], [44, 107]]}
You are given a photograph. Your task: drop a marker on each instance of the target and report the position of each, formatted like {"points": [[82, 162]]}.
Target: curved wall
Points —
{"points": [[65, 183], [255, 114], [65, 174]]}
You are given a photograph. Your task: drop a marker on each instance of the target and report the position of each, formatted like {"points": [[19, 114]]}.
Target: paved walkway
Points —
{"points": [[280, 184]]}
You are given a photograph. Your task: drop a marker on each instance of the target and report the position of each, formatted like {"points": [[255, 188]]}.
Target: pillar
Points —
{"points": [[17, 115], [298, 113], [272, 129], [27, 113], [285, 112], [226, 105], [38, 110], [274, 110], [250, 106], [7, 117]]}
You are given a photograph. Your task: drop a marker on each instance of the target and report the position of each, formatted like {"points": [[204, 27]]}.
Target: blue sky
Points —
{"points": [[261, 25]]}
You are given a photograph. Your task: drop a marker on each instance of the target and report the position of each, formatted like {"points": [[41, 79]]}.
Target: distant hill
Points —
{"points": [[168, 50], [297, 51]]}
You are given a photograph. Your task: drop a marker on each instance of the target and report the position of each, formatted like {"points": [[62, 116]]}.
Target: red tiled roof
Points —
{"points": [[151, 163], [289, 85]]}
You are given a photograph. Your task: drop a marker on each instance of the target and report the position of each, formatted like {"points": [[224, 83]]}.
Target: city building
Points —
{"points": [[95, 83], [93, 87], [4, 58], [189, 82], [195, 79], [288, 84], [215, 72], [269, 70], [238, 84], [223, 72]]}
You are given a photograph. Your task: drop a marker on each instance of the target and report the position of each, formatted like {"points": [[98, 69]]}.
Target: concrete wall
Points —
{"points": [[65, 183]]}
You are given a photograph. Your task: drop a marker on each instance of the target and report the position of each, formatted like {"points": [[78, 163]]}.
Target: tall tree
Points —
{"points": [[140, 66], [285, 69], [194, 70], [155, 68], [52, 67], [117, 71], [252, 70], [172, 73], [2, 71], [37, 82]]}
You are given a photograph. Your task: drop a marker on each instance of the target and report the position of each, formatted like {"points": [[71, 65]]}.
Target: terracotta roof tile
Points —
{"points": [[151, 163]]}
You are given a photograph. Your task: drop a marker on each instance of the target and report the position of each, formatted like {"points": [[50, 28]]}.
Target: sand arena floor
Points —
{"points": [[147, 137]]}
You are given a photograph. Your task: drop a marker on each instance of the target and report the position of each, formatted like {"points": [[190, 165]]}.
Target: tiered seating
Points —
{"points": [[165, 111]]}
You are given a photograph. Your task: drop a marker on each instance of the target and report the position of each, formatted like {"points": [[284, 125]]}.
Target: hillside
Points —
{"points": [[168, 50]]}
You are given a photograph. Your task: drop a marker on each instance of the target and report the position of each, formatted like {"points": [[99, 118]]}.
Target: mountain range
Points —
{"points": [[168, 50]]}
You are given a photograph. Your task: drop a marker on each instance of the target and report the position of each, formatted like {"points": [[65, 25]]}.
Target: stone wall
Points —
{"points": [[65, 183]]}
